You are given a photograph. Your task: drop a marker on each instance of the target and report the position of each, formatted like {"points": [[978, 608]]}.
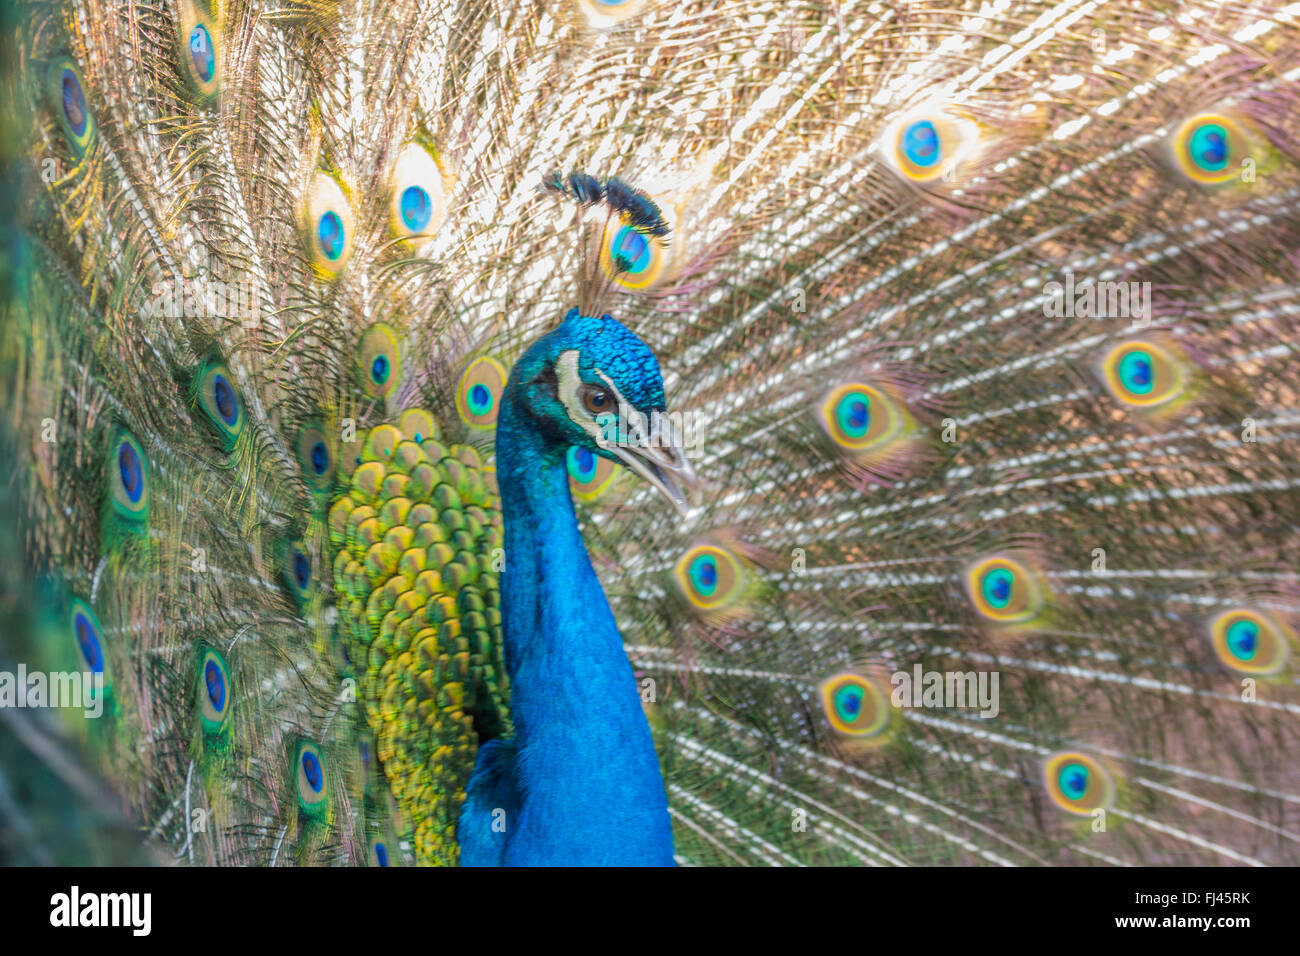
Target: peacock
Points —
{"points": [[651, 432]]}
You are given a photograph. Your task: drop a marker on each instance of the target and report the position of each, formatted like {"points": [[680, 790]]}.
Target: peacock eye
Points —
{"points": [[85, 628], [1250, 642], [590, 476], [854, 706], [315, 457], [478, 395], [922, 147], [417, 200], [1210, 148], [313, 792], [67, 93], [129, 477], [596, 399], [200, 47], [1005, 591], [214, 690], [1077, 783], [1145, 375], [219, 400], [329, 225]]}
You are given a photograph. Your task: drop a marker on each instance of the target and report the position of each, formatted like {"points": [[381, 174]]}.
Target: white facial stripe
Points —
{"points": [[569, 381]]}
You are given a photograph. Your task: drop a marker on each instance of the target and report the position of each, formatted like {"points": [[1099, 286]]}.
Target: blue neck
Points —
{"points": [[586, 770]]}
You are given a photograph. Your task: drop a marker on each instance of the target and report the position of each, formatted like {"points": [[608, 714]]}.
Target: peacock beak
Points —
{"points": [[661, 461]]}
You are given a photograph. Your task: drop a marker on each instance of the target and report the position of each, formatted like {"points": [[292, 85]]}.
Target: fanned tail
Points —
{"points": [[982, 318]]}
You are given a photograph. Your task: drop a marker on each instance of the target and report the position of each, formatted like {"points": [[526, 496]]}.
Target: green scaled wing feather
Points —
{"points": [[418, 547]]}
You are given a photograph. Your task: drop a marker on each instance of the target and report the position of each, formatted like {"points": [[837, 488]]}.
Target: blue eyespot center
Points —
{"points": [[631, 251], [854, 414], [128, 466], [311, 771], [74, 102], [379, 369], [320, 458], [88, 641], [997, 586], [1208, 147], [480, 399], [582, 464], [381, 854], [202, 54], [416, 207], [848, 703], [704, 574], [921, 143], [330, 234], [1073, 779], [227, 404], [215, 682], [1135, 372], [1243, 639], [301, 570]]}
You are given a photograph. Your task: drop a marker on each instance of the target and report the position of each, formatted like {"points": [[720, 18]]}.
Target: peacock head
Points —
{"points": [[593, 384]]}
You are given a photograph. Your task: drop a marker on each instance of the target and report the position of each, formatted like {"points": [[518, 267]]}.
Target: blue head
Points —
{"points": [[592, 383]]}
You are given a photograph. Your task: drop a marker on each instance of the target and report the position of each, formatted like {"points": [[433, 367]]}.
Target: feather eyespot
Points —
{"points": [[1145, 375], [635, 259], [381, 443], [74, 102], [478, 394], [202, 54], [220, 402], [200, 39], [925, 146], [1210, 148], [1005, 591], [316, 457], [297, 571], [86, 634], [711, 578], [67, 97], [869, 426], [590, 475], [919, 143], [418, 198], [605, 13], [379, 360], [1250, 642], [1078, 784], [214, 691], [418, 426], [859, 417], [128, 471], [310, 779], [329, 226], [854, 706]]}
